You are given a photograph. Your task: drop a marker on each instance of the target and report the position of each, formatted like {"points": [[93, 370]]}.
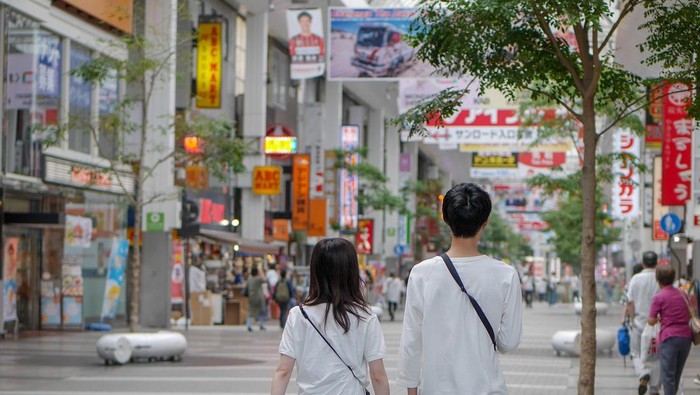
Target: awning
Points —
{"points": [[245, 245]]}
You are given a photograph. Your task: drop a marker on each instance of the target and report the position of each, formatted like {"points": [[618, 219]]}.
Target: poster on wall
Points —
{"points": [[78, 231], [364, 238], [307, 48], [177, 277], [115, 277], [72, 294], [368, 43], [349, 182], [9, 275]]}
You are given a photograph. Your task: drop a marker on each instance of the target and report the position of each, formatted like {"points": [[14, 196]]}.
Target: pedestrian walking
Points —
{"points": [[449, 341], [528, 287], [392, 293], [669, 307], [333, 336], [640, 292], [552, 285], [256, 299], [283, 296]]}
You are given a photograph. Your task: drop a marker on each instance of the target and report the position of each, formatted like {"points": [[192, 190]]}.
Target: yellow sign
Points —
{"points": [[267, 180], [209, 65], [280, 145], [505, 161]]}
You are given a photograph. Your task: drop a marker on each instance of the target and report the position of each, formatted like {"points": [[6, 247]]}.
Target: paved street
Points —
{"points": [[229, 360]]}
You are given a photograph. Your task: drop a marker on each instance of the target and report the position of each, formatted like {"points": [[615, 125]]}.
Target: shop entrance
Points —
{"points": [[22, 257]]}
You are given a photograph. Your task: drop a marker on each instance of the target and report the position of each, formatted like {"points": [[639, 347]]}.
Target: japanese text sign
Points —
{"points": [[209, 65], [626, 184], [677, 145], [301, 167]]}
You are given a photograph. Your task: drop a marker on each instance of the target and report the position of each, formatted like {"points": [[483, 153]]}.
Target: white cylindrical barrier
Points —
{"points": [[570, 341], [123, 347], [601, 307]]}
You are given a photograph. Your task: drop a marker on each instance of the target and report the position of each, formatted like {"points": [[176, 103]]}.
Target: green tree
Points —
{"points": [[150, 62], [520, 45], [500, 241]]}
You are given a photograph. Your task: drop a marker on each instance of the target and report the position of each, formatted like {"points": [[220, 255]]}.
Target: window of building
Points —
{"points": [[80, 116], [278, 66], [110, 135], [240, 50], [32, 92]]}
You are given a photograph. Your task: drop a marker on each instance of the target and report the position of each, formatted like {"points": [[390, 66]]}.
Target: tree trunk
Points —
{"points": [[136, 263], [586, 381]]}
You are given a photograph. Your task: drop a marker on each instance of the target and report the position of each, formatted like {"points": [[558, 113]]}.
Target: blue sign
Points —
{"points": [[671, 224], [398, 249]]}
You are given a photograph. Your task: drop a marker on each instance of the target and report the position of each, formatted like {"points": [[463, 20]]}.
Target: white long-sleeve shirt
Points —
{"points": [[445, 348]]}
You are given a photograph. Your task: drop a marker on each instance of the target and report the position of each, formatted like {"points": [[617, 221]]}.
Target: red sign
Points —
{"points": [[677, 145], [543, 159], [301, 167], [364, 238], [83, 176], [488, 117]]}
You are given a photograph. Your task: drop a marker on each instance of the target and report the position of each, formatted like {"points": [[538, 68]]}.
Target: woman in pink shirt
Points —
{"points": [[669, 307]]}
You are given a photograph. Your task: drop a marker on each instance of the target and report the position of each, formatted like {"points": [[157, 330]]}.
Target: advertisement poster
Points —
{"points": [[177, 277], [72, 293], [349, 183], [306, 46], [677, 145], [78, 231], [9, 275], [115, 277], [369, 43], [364, 238]]}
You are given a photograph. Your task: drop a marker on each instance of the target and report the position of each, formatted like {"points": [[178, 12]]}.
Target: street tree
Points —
{"points": [[560, 51], [128, 140]]}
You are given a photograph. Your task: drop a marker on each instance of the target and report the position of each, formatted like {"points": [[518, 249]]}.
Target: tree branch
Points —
{"points": [[558, 101], [626, 9]]}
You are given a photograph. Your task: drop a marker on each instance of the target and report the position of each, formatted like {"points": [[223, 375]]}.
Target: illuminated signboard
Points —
{"points": [[349, 183], [280, 145], [209, 65]]}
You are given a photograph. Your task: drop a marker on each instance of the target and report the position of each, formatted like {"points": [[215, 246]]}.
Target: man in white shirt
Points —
{"points": [[445, 347], [640, 292], [392, 292]]}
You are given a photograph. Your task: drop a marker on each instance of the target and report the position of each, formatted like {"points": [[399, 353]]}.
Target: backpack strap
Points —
{"points": [[479, 311]]}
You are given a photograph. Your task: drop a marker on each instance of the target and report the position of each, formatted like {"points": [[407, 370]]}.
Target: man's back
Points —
{"points": [[443, 335], [641, 291]]}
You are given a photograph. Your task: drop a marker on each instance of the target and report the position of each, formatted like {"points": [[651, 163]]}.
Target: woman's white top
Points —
{"points": [[319, 370]]}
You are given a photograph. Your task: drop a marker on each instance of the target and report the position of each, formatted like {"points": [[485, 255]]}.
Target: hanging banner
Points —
{"points": [[364, 238], [415, 91], [659, 210], [349, 183], [317, 217], [677, 144], [209, 65], [9, 275], [654, 117], [301, 166], [78, 231], [306, 46], [626, 182], [177, 276], [115, 277]]}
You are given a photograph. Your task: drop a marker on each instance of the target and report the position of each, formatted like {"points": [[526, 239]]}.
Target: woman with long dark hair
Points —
{"points": [[333, 336]]}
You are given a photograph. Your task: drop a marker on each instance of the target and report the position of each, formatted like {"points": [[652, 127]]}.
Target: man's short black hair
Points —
{"points": [[465, 209], [304, 14], [649, 259]]}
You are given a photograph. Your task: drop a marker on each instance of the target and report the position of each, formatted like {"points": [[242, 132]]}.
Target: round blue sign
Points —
{"points": [[671, 223], [398, 249]]}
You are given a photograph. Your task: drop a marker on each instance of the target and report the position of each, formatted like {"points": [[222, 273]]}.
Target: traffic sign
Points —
{"points": [[398, 249], [671, 223]]}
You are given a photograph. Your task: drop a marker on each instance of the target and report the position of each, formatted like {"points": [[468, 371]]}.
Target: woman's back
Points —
{"points": [[319, 370]]}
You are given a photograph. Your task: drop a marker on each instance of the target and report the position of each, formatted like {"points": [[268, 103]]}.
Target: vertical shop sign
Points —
{"points": [[301, 167], [349, 183], [677, 145], [659, 210], [209, 65], [696, 174], [626, 184], [306, 46], [177, 277], [317, 217], [115, 277], [364, 238], [654, 116], [9, 275]]}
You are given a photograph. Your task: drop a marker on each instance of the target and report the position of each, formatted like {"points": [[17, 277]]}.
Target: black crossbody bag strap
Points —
{"points": [[482, 316], [303, 312]]}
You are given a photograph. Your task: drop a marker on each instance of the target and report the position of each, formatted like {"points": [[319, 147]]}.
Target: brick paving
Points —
{"points": [[229, 360]]}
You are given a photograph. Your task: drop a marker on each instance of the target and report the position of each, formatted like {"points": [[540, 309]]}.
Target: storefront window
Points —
{"points": [[109, 103], [32, 96], [80, 109]]}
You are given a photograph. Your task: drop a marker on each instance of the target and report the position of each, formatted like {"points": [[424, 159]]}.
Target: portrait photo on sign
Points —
{"points": [[307, 49]]}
